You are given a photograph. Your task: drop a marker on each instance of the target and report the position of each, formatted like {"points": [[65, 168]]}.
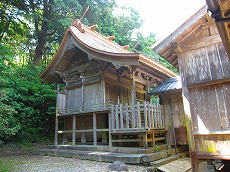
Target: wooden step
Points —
{"points": [[166, 160], [158, 155], [179, 165]]}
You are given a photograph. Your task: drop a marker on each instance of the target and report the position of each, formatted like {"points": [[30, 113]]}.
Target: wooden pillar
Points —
{"points": [[94, 129], [110, 135], [133, 88], [83, 140], [65, 140], [187, 110], [74, 131], [56, 119], [103, 91], [56, 132], [188, 121]]}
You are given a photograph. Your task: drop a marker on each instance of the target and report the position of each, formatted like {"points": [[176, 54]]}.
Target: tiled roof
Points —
{"points": [[170, 85]]}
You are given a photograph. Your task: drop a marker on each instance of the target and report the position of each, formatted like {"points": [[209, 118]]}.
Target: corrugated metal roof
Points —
{"points": [[170, 85]]}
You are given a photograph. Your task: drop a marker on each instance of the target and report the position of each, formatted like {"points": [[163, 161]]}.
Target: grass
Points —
{"points": [[8, 164]]}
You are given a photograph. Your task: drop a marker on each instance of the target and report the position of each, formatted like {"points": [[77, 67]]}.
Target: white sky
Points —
{"points": [[163, 16]]}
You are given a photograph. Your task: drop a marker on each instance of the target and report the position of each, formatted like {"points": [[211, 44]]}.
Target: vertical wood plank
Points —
{"points": [[133, 116], [149, 116], [155, 115], [138, 115], [145, 115], [112, 118], [121, 117], [56, 132], [152, 117], [74, 131], [117, 117], [127, 115], [110, 122], [94, 129]]}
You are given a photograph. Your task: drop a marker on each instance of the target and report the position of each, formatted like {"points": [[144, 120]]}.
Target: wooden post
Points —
{"points": [[188, 121], [155, 115], [83, 140], [112, 118], [138, 115], [103, 90], [133, 88], [56, 119], [145, 115], [56, 132], [121, 117], [110, 135], [149, 116], [117, 117], [127, 115], [94, 129], [74, 131]]}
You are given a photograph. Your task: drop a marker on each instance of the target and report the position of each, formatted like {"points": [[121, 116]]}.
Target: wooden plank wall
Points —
{"points": [[74, 98], [209, 102], [210, 106], [204, 64], [175, 118], [92, 94], [61, 101]]}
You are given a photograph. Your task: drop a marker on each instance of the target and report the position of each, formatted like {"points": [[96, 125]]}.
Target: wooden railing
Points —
{"points": [[86, 108], [139, 116]]}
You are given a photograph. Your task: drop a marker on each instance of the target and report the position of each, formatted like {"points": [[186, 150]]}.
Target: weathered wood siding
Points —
{"points": [[93, 94], [210, 106], [209, 101], [61, 101], [74, 98], [204, 64], [175, 118]]}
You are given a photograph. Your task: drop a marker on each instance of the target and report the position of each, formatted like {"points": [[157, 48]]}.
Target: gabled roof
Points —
{"points": [[99, 47], [172, 84], [197, 27], [165, 48]]}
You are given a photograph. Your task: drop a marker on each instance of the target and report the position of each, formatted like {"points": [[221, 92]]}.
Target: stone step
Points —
{"points": [[147, 158], [93, 155], [166, 160], [105, 156], [110, 149]]}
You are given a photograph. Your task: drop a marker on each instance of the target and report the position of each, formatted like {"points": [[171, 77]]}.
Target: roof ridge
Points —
{"points": [[83, 28]]}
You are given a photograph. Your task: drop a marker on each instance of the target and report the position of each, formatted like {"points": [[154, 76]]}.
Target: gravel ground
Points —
{"points": [[36, 163]]}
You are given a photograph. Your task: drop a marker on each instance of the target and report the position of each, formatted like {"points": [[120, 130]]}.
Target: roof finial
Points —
{"points": [[83, 15]]}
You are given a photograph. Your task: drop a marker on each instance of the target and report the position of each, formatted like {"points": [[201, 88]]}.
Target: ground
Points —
{"points": [[21, 159], [16, 158]]}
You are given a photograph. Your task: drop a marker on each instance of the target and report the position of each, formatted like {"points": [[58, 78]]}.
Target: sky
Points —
{"points": [[162, 17]]}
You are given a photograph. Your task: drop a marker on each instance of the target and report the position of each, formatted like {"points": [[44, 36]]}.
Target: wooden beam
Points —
{"points": [[73, 132], [125, 46], [213, 82], [208, 24], [111, 37], [94, 129], [207, 41], [56, 132], [177, 48], [93, 27]]}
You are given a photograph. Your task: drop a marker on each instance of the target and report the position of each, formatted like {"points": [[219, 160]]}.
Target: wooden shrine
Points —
{"points": [[105, 98], [200, 51]]}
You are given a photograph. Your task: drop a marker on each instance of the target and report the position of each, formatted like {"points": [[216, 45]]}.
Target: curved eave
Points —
{"points": [[158, 67], [122, 58]]}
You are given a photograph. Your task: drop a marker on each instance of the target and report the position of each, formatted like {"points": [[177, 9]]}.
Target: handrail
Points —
{"points": [[86, 108]]}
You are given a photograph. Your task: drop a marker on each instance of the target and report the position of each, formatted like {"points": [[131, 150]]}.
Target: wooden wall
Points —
{"points": [[175, 118], [205, 74], [204, 64]]}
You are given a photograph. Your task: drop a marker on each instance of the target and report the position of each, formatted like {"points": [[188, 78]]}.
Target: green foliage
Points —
{"points": [[27, 106]]}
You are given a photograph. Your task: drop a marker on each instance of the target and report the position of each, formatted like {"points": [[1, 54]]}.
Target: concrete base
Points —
{"points": [[108, 154]]}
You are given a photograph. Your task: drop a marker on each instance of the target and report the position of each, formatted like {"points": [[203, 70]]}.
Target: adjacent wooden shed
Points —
{"points": [[171, 96], [198, 49]]}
